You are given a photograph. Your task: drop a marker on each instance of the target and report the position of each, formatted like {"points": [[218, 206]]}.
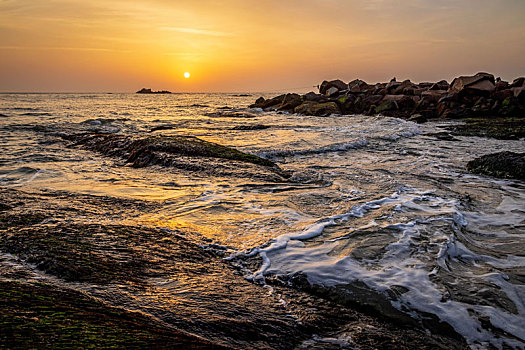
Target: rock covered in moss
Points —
{"points": [[502, 164]]}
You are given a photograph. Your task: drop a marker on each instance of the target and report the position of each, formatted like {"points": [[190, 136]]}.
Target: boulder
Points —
{"points": [[312, 96], [333, 91], [290, 101], [273, 102], [389, 105], [433, 96], [372, 100], [502, 85], [417, 118], [502, 165], [338, 84], [392, 85], [405, 88], [440, 85], [318, 109], [346, 103], [519, 94], [518, 82], [479, 84], [357, 86]]}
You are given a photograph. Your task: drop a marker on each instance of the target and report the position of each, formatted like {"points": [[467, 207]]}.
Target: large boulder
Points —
{"points": [[440, 85], [519, 94], [385, 106], [312, 96], [405, 88], [272, 102], [357, 85], [338, 84], [502, 165], [518, 82], [290, 101], [479, 84], [317, 109]]}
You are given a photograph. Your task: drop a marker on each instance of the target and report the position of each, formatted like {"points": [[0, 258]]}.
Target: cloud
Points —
{"points": [[197, 31], [58, 48]]}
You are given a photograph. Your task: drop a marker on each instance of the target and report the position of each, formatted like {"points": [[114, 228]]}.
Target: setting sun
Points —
{"points": [[186, 75]]}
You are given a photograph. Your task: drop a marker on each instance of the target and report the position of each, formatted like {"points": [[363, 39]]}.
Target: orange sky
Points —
{"points": [[245, 45]]}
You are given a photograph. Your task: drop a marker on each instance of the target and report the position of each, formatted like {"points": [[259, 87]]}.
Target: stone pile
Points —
{"points": [[467, 96]]}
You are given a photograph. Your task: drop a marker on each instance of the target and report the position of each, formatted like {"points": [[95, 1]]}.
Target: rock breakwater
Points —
{"points": [[480, 95]]}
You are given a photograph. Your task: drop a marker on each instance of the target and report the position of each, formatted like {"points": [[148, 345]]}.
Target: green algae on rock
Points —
{"points": [[40, 315], [507, 165]]}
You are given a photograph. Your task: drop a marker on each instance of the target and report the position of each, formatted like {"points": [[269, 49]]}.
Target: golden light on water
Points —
{"points": [[187, 75]]}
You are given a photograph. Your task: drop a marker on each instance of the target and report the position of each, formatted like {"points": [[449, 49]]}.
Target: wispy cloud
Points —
{"points": [[58, 48], [197, 31]]}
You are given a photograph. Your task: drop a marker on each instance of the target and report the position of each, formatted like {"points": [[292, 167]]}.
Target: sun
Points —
{"points": [[186, 75]]}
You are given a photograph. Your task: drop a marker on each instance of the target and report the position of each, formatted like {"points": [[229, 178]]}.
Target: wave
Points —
{"points": [[404, 263], [336, 147]]}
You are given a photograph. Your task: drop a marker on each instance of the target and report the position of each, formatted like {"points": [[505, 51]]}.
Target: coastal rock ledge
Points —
{"points": [[480, 95]]}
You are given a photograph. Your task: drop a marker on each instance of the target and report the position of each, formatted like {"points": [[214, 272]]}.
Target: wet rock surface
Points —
{"points": [[182, 152], [509, 165], [113, 284]]}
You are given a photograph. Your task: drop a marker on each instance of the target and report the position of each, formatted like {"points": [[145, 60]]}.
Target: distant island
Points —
{"points": [[149, 91]]}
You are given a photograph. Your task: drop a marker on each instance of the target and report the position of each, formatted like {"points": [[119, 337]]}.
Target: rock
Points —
{"points": [[406, 102], [312, 96], [357, 86], [393, 97], [501, 165], [440, 85], [290, 101], [518, 82], [502, 85], [392, 85], [231, 114], [481, 83], [317, 109], [519, 93], [417, 118], [373, 99], [164, 150], [338, 84], [432, 96], [405, 88], [333, 91], [251, 127], [449, 97], [388, 105], [268, 103]]}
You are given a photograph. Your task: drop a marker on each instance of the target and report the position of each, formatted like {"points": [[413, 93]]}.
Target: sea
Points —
{"points": [[379, 201]]}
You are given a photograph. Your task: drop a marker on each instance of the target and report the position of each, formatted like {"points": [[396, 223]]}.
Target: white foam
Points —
{"points": [[398, 266]]}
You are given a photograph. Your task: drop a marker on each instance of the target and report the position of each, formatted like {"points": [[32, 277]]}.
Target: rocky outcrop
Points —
{"points": [[508, 165], [185, 153], [480, 95], [149, 91]]}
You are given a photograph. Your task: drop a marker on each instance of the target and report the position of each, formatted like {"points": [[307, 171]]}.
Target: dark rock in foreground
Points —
{"points": [[182, 152], [508, 165], [480, 95], [149, 91]]}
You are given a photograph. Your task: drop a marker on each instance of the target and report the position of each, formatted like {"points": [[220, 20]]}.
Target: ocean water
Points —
{"points": [[372, 200]]}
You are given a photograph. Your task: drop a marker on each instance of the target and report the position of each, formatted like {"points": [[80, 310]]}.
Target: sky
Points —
{"points": [[252, 45]]}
